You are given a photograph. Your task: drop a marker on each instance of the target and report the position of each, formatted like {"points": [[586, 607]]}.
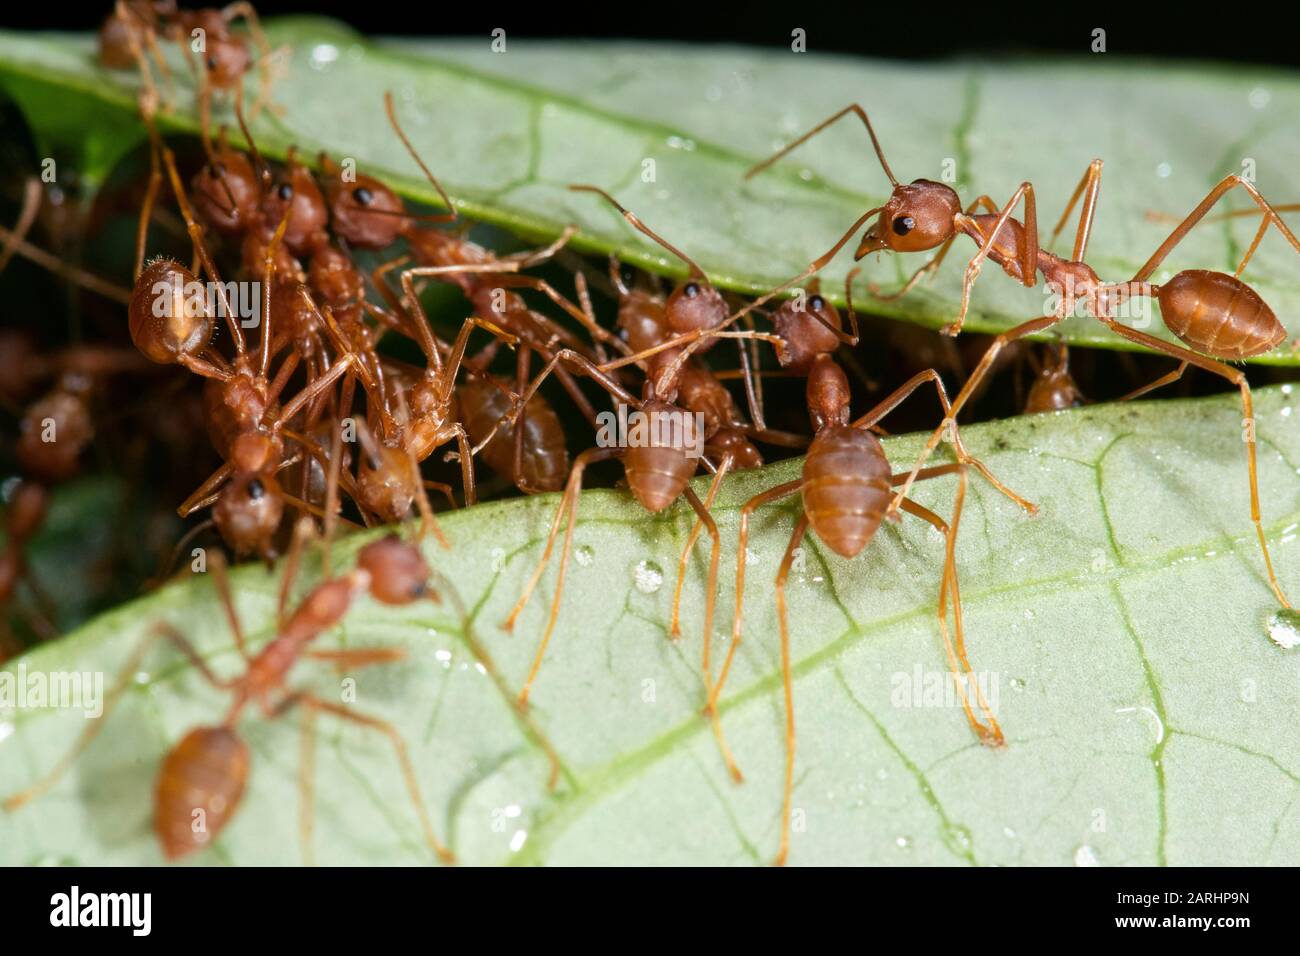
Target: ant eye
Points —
{"points": [[363, 195], [256, 489], [212, 63], [419, 589], [816, 303], [690, 290], [904, 224], [286, 191]]}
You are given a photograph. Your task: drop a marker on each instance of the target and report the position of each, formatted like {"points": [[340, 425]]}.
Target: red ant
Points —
{"points": [[1219, 316], [207, 769], [846, 487]]}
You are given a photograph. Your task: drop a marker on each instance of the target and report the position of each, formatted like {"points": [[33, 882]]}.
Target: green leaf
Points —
{"points": [[1123, 631], [507, 132]]}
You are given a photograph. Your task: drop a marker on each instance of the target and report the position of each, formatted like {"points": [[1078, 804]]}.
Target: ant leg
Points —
{"points": [[976, 378], [222, 582], [302, 530], [213, 481], [584, 318], [1237, 378], [749, 507], [789, 147], [750, 369], [568, 503], [948, 427], [1028, 252], [124, 680], [984, 202], [26, 217], [787, 683], [1088, 188], [955, 648], [1163, 380], [526, 260], [241, 9], [1196, 215], [703, 517], [403, 760], [63, 270]]}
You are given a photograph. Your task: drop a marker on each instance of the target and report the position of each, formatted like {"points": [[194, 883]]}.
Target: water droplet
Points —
{"points": [[323, 55], [1163, 170], [648, 577], [443, 657], [518, 840], [142, 677], [678, 142], [1017, 683], [1029, 615], [1259, 98], [1284, 628], [904, 843], [1009, 833], [6, 730], [1086, 856], [584, 555]]}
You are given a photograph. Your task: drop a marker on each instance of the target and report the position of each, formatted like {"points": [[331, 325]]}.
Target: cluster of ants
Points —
{"points": [[313, 413]]}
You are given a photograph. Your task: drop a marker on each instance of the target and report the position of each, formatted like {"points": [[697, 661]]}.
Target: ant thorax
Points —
{"points": [[1073, 282]]}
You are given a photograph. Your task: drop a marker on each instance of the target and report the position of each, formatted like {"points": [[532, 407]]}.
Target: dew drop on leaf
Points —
{"points": [[1284, 628], [648, 577]]}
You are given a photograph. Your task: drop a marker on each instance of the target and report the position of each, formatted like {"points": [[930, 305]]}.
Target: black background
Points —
{"points": [[905, 30]]}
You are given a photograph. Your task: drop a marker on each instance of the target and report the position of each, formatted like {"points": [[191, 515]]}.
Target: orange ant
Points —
{"points": [[207, 769], [1218, 315], [846, 487]]}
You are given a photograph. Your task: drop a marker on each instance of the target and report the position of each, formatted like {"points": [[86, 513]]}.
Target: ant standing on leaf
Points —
{"points": [[203, 775], [1219, 316]]}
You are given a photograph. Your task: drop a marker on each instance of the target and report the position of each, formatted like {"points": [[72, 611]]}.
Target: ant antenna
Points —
{"points": [[397, 128], [696, 271]]}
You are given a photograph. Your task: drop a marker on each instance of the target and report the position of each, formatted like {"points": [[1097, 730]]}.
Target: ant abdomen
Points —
{"points": [[545, 460], [657, 472], [248, 512], [52, 435], [167, 320], [1219, 315], [846, 488], [200, 785], [398, 572]]}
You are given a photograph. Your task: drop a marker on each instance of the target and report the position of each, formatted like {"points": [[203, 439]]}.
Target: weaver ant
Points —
{"points": [[846, 487], [1219, 316]]}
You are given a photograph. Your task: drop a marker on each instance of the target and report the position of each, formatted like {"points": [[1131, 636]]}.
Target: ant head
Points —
{"points": [[805, 325], [365, 212], [918, 216], [165, 318], [248, 511], [119, 38], [296, 195], [386, 482], [733, 442], [398, 573], [226, 61], [695, 304], [226, 191]]}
